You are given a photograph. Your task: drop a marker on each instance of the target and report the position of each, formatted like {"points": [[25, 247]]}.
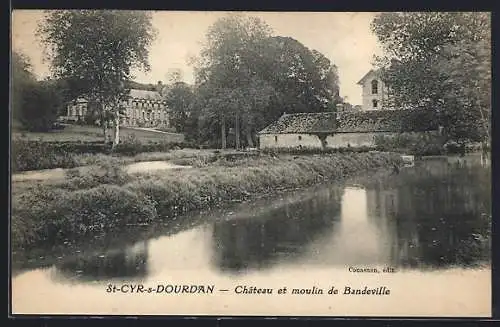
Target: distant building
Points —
{"points": [[374, 91], [343, 129], [297, 130], [142, 108]]}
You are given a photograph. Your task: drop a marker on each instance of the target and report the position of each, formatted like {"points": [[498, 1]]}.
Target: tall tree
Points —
{"points": [[35, 104], [441, 61], [22, 78], [181, 98], [256, 77], [96, 50], [222, 67]]}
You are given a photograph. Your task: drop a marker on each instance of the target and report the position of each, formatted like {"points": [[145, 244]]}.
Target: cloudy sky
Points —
{"points": [[344, 38]]}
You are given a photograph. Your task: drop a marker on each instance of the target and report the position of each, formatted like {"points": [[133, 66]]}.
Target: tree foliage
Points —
{"points": [[247, 78], [95, 51], [22, 79], [35, 104], [441, 61], [181, 100]]}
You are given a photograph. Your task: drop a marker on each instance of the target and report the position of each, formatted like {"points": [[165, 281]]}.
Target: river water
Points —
{"points": [[420, 237]]}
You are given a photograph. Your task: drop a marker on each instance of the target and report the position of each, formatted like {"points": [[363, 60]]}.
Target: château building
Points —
{"points": [[143, 108]]}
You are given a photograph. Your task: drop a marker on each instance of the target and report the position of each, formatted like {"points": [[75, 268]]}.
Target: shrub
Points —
{"points": [[417, 144], [58, 215], [34, 155], [39, 105], [103, 174]]}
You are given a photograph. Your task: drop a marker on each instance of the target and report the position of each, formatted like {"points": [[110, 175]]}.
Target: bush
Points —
{"points": [[39, 105], [59, 215], [103, 174], [416, 144], [34, 155]]}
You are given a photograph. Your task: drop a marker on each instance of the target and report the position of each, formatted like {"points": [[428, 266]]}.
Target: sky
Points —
{"points": [[344, 38]]}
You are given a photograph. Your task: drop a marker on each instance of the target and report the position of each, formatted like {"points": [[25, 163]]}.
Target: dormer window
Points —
{"points": [[374, 86], [375, 103]]}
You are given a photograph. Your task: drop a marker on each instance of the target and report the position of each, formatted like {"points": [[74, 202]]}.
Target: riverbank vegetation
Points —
{"points": [[76, 209], [425, 144], [36, 155]]}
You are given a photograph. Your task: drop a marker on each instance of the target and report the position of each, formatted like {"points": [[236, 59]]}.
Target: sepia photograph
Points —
{"points": [[250, 163]]}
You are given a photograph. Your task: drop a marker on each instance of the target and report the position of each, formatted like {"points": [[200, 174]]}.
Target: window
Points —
{"points": [[375, 103], [276, 138], [374, 86], [300, 137]]}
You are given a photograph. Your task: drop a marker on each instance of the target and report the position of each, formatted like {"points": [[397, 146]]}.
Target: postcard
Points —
{"points": [[332, 164]]}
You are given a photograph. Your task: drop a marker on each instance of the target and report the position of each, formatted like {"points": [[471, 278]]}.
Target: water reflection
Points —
{"points": [[130, 262], [278, 234], [436, 214], [439, 214], [433, 215]]}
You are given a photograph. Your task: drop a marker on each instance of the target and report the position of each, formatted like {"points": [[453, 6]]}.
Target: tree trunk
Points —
{"points": [[249, 138], [237, 131], [223, 131], [105, 131], [116, 140], [104, 123]]}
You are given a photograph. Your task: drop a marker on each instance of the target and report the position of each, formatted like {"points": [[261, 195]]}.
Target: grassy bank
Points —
{"points": [[76, 145], [80, 209], [85, 133], [37, 155]]}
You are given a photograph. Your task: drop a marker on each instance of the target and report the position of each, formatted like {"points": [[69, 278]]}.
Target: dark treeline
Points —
{"points": [[35, 104]]}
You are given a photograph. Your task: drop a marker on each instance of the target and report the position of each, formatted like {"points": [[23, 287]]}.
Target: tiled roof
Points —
{"points": [[144, 94], [302, 123], [407, 120], [134, 93], [402, 120]]}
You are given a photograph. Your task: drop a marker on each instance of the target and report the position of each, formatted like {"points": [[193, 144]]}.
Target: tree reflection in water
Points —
{"points": [[441, 215], [130, 262], [276, 234]]}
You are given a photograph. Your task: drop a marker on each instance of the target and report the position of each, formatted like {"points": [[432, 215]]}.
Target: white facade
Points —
{"points": [[309, 141], [143, 108], [374, 91]]}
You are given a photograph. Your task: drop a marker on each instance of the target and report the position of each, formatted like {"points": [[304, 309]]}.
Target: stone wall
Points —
{"points": [[269, 141], [338, 140]]}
